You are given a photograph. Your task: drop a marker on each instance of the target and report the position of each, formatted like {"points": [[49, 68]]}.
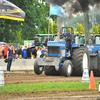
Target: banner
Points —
{"points": [[10, 11], [57, 10]]}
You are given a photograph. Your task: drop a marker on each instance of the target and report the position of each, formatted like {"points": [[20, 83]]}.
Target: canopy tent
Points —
{"points": [[10, 11]]}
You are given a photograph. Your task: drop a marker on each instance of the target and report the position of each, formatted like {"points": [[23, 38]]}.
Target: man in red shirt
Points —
{"points": [[5, 51]]}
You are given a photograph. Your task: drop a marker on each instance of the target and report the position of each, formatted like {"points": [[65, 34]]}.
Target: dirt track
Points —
{"points": [[63, 95], [30, 77]]}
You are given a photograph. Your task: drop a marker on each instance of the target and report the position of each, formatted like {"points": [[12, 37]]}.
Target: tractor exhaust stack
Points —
{"points": [[86, 27], [58, 36]]}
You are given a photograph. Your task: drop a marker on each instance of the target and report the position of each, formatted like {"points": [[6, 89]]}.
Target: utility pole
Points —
{"points": [[92, 16], [86, 27]]}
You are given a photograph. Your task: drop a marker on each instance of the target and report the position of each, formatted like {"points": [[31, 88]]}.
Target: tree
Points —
{"points": [[98, 29], [35, 21], [97, 18], [68, 30], [55, 28], [45, 20], [45, 30], [95, 29], [80, 28], [51, 28], [18, 35]]}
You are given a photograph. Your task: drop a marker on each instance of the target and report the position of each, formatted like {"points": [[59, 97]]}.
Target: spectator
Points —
{"points": [[43, 51], [44, 47], [5, 51], [0, 52], [10, 52], [25, 52], [29, 52], [3, 46], [19, 53], [39, 52], [33, 44], [15, 49], [32, 56], [34, 52]]}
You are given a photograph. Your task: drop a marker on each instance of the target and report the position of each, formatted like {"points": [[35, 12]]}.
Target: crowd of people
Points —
{"points": [[26, 53], [10, 52]]}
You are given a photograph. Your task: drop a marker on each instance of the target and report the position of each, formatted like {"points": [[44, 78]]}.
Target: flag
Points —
{"points": [[57, 10], [10, 11]]}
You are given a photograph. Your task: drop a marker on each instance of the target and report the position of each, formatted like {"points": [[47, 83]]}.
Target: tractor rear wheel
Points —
{"points": [[38, 69], [80, 60], [50, 70]]}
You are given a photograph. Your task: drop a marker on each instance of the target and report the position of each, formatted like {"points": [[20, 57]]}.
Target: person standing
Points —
{"points": [[5, 51], [10, 52], [33, 44], [34, 52], [19, 53], [14, 55], [39, 52], [25, 52], [29, 52]]}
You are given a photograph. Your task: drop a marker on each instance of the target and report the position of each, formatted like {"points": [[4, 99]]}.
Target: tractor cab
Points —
{"points": [[79, 38], [42, 39], [61, 48]]}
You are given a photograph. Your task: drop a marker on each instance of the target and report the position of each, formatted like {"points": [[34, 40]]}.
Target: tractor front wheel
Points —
{"points": [[67, 68], [38, 69]]}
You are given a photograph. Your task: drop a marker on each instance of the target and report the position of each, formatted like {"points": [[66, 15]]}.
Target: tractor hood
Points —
{"points": [[56, 48], [61, 44]]}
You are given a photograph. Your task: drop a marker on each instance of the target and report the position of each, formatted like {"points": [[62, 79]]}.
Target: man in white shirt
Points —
{"points": [[39, 52]]}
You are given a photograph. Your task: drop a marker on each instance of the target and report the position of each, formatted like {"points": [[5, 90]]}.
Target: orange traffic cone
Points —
{"points": [[92, 82]]}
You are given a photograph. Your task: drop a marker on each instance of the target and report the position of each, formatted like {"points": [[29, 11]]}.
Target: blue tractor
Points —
{"points": [[65, 57]]}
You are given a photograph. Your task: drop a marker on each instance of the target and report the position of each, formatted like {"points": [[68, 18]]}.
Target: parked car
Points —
{"points": [[2, 43]]}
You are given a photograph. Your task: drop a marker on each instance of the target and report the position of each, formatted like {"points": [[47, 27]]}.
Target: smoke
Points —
{"points": [[76, 6], [82, 5], [60, 22], [56, 2]]}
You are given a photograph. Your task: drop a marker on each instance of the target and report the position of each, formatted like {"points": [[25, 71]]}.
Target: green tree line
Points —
{"points": [[95, 29], [53, 28], [35, 22], [80, 28]]}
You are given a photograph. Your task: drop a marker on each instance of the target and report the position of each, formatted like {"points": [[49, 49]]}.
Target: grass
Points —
{"points": [[51, 86], [15, 71]]}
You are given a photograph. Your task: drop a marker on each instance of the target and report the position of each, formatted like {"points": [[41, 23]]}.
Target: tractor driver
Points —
{"points": [[64, 34], [67, 37]]}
